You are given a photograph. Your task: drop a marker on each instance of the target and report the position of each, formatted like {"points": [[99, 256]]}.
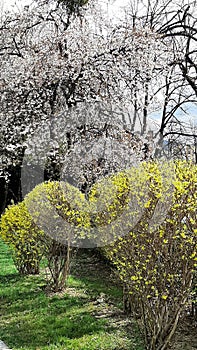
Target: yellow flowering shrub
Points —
{"points": [[145, 217], [56, 208], [19, 231], [65, 214], [60, 210], [157, 259], [68, 218]]}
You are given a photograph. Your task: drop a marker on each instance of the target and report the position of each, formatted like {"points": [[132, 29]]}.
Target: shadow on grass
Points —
{"points": [[31, 319], [47, 330], [96, 272], [10, 278]]}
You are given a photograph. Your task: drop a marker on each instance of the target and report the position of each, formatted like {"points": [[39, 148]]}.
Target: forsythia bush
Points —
{"points": [[55, 216], [19, 231], [157, 258], [69, 220], [58, 209], [65, 214], [146, 219]]}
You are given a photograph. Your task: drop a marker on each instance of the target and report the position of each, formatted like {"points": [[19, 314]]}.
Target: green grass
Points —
{"points": [[31, 319]]}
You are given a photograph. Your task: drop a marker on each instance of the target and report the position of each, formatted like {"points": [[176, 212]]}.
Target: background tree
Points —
{"points": [[174, 95], [52, 60]]}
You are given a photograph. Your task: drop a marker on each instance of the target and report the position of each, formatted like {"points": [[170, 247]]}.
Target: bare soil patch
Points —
{"points": [[90, 264]]}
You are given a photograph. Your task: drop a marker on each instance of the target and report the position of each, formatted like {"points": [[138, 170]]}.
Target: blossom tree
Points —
{"points": [[54, 59]]}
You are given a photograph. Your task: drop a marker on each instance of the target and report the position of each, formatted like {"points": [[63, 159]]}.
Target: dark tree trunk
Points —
{"points": [[3, 194], [14, 192], [10, 192]]}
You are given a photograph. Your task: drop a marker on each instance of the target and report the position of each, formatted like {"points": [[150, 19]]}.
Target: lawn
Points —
{"points": [[86, 316]]}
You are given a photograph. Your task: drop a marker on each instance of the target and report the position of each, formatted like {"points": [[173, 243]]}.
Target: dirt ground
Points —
{"points": [[185, 337]]}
